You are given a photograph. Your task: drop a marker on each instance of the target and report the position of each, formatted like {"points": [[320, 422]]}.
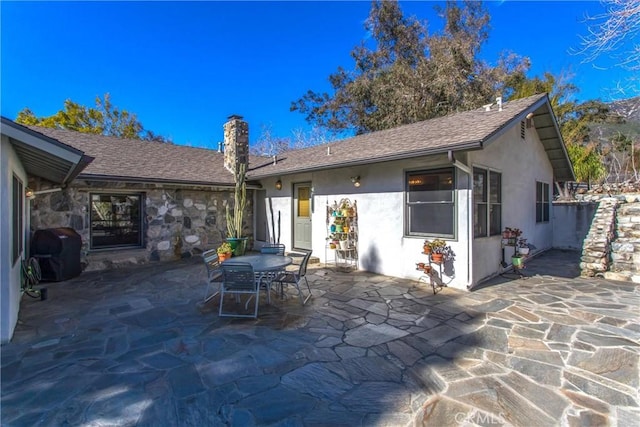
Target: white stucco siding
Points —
{"points": [[9, 272], [383, 248], [522, 163]]}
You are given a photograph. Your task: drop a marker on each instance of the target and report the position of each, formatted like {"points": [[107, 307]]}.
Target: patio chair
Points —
{"points": [[273, 248], [295, 278], [238, 279], [214, 273]]}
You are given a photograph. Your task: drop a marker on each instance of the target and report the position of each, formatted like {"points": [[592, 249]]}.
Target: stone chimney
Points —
{"points": [[236, 143]]}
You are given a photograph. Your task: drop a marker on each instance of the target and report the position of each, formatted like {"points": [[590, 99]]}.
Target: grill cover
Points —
{"points": [[58, 253]]}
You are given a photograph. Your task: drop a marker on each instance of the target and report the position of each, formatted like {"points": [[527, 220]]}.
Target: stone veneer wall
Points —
{"points": [[597, 245], [177, 222]]}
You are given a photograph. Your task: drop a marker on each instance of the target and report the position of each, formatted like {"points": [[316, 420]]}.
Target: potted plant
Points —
{"points": [[224, 251], [426, 247], [234, 220], [510, 236], [523, 246], [440, 251], [517, 261]]}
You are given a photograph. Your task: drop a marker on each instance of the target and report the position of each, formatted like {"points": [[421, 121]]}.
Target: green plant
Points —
{"points": [[234, 221], [437, 245], [510, 233], [224, 248]]}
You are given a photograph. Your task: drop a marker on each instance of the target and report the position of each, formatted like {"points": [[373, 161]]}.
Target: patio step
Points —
{"points": [[98, 261]]}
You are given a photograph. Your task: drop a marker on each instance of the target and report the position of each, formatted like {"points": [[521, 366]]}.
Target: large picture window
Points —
{"points": [[487, 202], [542, 202], [18, 215], [116, 220], [430, 202]]}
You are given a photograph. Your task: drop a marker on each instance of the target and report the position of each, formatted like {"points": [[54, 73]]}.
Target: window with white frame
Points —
{"points": [[542, 202], [18, 214], [487, 202], [430, 202]]}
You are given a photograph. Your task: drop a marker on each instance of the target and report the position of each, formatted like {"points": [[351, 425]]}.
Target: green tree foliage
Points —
{"points": [[587, 162], [405, 75], [103, 119], [575, 120]]}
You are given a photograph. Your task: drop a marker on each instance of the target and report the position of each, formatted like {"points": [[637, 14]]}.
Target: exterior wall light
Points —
{"points": [[356, 181], [28, 193], [278, 185]]}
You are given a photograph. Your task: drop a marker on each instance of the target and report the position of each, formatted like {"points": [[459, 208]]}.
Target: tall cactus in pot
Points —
{"points": [[234, 219]]}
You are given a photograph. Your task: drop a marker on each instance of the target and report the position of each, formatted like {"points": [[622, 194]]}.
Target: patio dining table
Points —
{"points": [[266, 267]]}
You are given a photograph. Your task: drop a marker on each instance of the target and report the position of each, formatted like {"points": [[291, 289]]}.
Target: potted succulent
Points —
{"points": [[224, 251]]}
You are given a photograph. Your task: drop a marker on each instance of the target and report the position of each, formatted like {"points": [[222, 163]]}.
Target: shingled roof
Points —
{"points": [[468, 130], [136, 160]]}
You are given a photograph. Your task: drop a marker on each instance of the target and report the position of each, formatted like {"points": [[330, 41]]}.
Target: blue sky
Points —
{"points": [[184, 67]]}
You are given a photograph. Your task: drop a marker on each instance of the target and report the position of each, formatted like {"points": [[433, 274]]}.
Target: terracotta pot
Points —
{"points": [[437, 258], [426, 249], [224, 256]]}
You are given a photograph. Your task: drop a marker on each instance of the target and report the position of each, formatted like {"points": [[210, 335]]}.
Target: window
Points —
{"points": [[18, 215], [430, 202], [116, 220], [542, 202], [304, 199], [487, 202]]}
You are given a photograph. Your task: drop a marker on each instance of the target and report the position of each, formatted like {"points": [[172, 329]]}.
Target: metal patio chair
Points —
{"points": [[238, 279], [273, 248], [214, 273], [295, 278]]}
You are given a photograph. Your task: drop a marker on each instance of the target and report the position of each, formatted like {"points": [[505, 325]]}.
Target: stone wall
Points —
{"points": [[177, 222], [597, 244]]}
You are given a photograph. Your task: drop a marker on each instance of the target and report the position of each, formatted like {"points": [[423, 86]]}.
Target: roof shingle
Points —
{"points": [[117, 158]]}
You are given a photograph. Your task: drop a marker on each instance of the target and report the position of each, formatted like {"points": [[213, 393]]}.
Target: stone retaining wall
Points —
{"points": [[177, 222], [597, 245], [596, 251]]}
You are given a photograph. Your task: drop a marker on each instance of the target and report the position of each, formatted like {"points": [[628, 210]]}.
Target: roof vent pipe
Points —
{"points": [[499, 102], [220, 146], [328, 150], [275, 159]]}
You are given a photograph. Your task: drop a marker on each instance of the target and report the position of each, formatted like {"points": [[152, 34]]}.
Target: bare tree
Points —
{"points": [[268, 144], [609, 31]]}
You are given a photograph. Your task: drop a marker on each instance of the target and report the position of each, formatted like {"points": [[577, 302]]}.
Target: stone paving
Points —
{"points": [[137, 347]]}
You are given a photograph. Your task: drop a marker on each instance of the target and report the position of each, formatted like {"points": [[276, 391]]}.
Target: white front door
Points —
{"points": [[302, 216]]}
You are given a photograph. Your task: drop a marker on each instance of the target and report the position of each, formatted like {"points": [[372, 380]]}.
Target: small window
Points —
{"points": [[542, 202], [116, 220], [430, 202], [487, 202], [18, 217]]}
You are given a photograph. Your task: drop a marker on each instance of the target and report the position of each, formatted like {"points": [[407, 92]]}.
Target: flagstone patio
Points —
{"points": [[137, 347]]}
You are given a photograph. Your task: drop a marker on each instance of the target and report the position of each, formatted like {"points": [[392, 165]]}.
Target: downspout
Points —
{"points": [[467, 170]]}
